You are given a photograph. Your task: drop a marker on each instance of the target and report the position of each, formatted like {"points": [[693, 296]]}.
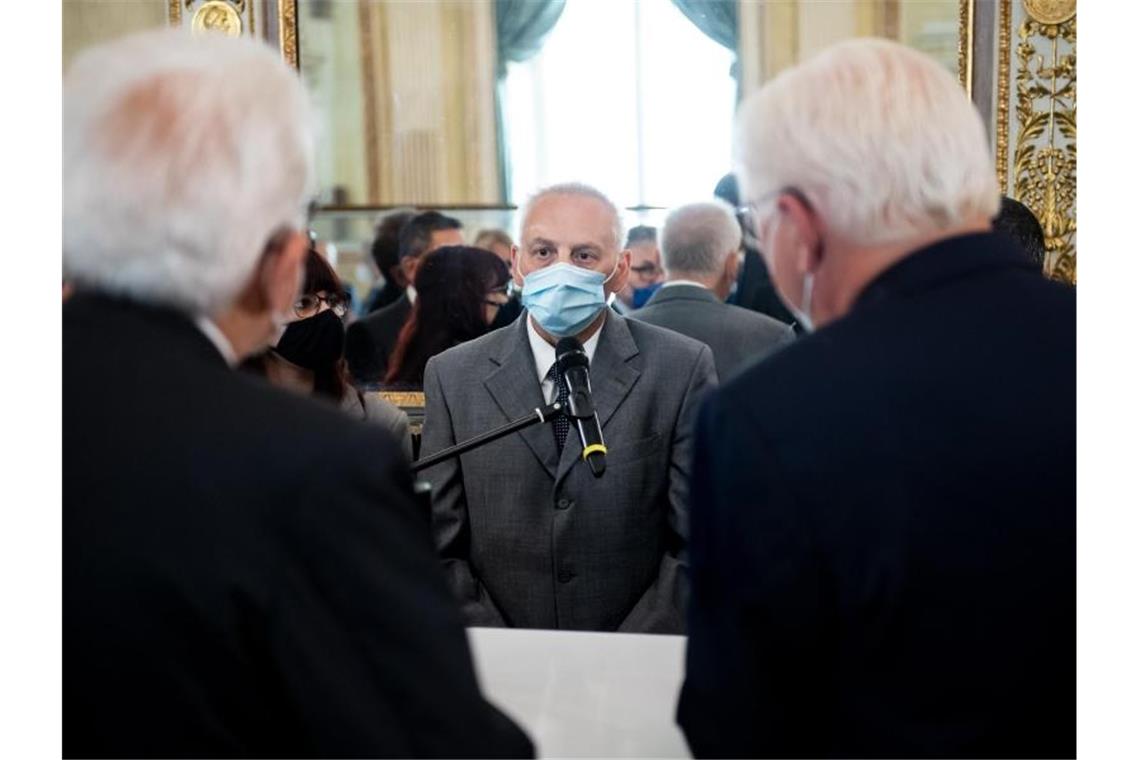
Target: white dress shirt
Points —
{"points": [[215, 335], [544, 357]]}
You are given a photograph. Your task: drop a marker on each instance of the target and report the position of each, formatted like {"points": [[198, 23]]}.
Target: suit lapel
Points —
{"points": [[611, 380], [513, 384]]}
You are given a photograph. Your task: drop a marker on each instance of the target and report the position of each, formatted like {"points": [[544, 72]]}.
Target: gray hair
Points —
{"points": [[579, 189], [879, 137], [182, 156], [697, 238]]}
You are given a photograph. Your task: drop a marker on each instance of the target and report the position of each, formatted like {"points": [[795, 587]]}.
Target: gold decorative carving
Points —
{"points": [[966, 46], [404, 399], [217, 16], [287, 31], [174, 12], [1045, 158], [1004, 16], [1051, 12]]}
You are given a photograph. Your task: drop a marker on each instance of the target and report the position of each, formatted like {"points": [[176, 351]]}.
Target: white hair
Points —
{"points": [[880, 139], [697, 238], [579, 189], [182, 156]]}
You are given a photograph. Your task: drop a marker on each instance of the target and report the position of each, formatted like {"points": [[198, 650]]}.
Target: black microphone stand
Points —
{"points": [[539, 415]]}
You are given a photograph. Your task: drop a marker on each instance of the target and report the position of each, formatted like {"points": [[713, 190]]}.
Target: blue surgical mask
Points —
{"points": [[641, 296], [564, 299]]}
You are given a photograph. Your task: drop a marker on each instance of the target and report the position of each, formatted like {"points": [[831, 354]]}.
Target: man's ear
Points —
{"points": [[621, 274], [806, 225], [408, 266], [282, 272]]}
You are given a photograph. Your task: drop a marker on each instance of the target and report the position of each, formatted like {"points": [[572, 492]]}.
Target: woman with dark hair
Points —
{"points": [[309, 356], [459, 291]]}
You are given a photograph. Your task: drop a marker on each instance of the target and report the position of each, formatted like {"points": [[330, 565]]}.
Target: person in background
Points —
{"points": [[246, 572], [497, 242], [500, 243], [754, 289], [700, 245], [309, 356], [461, 290], [529, 537], [1016, 220], [883, 519], [371, 340], [646, 274], [385, 254]]}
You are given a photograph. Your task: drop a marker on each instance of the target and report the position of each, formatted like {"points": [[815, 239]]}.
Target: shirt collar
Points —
{"points": [[215, 335], [693, 283], [544, 352]]}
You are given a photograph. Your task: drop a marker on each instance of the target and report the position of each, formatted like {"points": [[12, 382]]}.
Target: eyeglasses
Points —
{"points": [[310, 305], [752, 211], [646, 269]]}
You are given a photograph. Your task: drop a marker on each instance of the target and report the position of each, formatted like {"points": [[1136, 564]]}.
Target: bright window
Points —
{"points": [[630, 97]]}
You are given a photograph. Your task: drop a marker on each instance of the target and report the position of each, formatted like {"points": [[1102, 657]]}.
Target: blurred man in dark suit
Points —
{"points": [[244, 572], [385, 253], [700, 245], [883, 514], [370, 340]]}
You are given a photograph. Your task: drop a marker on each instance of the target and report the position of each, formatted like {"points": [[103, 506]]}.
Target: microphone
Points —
{"points": [[575, 369]]}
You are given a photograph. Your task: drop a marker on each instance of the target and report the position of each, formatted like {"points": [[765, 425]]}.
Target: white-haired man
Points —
{"points": [[529, 537], [245, 572], [700, 244], [883, 513]]}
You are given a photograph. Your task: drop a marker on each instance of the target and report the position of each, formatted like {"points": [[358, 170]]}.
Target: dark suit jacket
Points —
{"points": [[370, 341], [738, 337], [244, 571], [883, 526], [533, 540], [755, 291]]}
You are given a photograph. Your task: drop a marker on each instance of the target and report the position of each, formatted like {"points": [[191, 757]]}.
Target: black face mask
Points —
{"points": [[315, 343]]}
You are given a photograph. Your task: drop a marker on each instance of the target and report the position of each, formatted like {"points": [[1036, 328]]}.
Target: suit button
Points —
{"points": [[565, 575], [564, 504]]}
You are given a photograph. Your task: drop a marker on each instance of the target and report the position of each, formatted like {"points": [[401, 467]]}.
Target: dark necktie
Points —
{"points": [[561, 422]]}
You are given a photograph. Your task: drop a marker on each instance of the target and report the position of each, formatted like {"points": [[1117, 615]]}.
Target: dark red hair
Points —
{"points": [[452, 284]]}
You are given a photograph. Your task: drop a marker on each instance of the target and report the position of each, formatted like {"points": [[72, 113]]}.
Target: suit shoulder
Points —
{"points": [[755, 318], [651, 337], [475, 350]]}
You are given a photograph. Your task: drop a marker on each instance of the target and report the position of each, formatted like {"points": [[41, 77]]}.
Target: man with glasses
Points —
{"points": [[529, 537], [245, 572], [884, 512], [645, 271]]}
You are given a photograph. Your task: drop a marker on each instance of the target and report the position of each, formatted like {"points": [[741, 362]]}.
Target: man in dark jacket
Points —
{"points": [[883, 518], [245, 572]]}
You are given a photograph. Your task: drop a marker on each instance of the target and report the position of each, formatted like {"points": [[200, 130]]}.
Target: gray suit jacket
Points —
{"points": [[533, 540], [738, 337]]}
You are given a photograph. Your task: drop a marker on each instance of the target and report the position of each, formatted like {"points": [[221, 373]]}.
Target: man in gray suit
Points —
{"points": [[700, 245], [529, 537]]}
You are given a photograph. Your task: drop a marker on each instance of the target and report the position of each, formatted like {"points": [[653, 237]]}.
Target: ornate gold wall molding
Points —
{"points": [[1045, 154], [287, 31], [966, 46], [232, 17], [1002, 147]]}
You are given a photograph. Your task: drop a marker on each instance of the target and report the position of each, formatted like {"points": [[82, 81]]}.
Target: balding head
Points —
{"points": [[605, 206], [700, 242]]}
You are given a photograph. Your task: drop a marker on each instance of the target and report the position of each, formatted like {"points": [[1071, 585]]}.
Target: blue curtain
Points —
{"points": [[718, 19], [521, 27]]}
